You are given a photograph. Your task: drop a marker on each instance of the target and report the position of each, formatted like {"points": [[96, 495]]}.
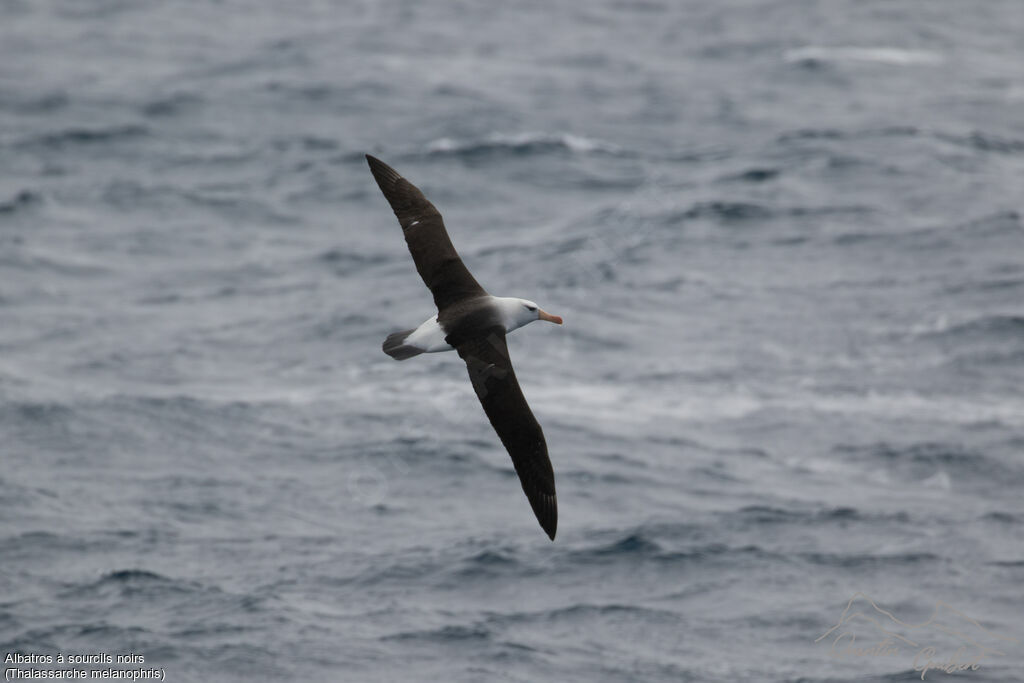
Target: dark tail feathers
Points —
{"points": [[395, 346]]}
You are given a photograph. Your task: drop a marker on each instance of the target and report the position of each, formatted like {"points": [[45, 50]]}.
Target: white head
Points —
{"points": [[519, 312]]}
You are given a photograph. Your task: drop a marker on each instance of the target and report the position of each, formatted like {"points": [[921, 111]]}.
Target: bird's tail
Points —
{"points": [[396, 347]]}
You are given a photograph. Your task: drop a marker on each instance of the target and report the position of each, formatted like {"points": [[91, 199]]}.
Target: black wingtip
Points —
{"points": [[545, 508], [550, 526], [384, 174], [396, 189]]}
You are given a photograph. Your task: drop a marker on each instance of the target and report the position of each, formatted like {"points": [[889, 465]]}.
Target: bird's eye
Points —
{"points": [[531, 308]]}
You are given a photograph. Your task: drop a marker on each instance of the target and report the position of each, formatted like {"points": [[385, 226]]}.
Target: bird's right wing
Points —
{"points": [[436, 259], [490, 371]]}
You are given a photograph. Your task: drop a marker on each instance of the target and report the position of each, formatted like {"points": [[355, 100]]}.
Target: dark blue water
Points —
{"points": [[788, 244]]}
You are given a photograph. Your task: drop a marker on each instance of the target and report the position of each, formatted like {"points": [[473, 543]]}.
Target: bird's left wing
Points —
{"points": [[438, 263], [490, 371]]}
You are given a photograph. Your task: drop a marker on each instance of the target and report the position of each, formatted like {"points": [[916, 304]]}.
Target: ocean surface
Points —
{"points": [[787, 241]]}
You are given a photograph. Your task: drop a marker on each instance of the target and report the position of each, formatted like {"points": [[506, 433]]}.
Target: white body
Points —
{"points": [[429, 336]]}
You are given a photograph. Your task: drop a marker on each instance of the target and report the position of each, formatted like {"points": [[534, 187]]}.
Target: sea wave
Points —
{"points": [[879, 55], [21, 201], [1008, 326], [61, 140], [947, 462]]}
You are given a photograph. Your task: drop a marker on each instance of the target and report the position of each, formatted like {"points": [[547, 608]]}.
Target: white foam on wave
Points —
{"points": [[579, 402], [574, 143], [612, 404], [940, 480], [880, 55], [443, 145]]}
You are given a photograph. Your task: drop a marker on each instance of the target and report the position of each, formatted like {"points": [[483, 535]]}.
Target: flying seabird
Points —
{"points": [[473, 323]]}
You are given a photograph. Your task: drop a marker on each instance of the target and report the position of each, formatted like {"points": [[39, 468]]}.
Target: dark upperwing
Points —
{"points": [[490, 371], [436, 259]]}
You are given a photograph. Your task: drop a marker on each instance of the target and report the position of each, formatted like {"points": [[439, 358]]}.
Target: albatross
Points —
{"points": [[474, 324]]}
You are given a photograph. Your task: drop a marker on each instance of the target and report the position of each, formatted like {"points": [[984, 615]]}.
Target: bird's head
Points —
{"points": [[530, 311], [518, 312]]}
